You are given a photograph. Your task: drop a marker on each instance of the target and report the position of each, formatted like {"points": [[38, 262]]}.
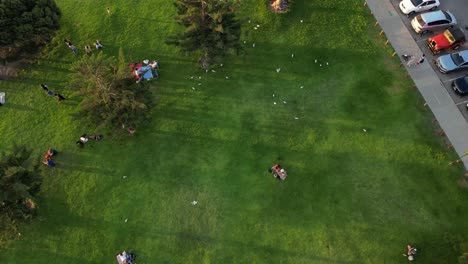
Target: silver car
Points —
{"points": [[452, 62], [430, 21]]}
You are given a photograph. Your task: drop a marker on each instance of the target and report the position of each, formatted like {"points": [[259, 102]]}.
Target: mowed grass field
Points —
{"points": [[350, 197]]}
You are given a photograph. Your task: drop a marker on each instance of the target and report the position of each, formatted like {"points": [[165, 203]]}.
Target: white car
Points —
{"points": [[410, 7]]}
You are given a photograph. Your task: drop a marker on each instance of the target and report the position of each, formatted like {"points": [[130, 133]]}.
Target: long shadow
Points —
{"points": [[68, 161], [20, 107]]}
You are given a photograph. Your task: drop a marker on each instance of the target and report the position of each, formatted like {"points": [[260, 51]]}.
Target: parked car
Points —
{"points": [[451, 38], [410, 7], [460, 85], [431, 21], [452, 62]]}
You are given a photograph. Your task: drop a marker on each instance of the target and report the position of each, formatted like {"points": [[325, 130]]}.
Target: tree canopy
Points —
{"points": [[211, 27], [19, 185], [22, 20], [26, 24], [111, 99]]}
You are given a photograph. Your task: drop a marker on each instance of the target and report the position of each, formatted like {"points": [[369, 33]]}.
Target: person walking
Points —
{"points": [[421, 60], [410, 61]]}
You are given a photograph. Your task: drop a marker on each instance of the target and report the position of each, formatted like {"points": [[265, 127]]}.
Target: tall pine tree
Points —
{"points": [[211, 28], [111, 98]]}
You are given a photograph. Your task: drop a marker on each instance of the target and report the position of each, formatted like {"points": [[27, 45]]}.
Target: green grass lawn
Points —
{"points": [[350, 197]]}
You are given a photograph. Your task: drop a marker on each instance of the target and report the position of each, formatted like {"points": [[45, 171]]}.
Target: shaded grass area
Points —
{"points": [[351, 197]]}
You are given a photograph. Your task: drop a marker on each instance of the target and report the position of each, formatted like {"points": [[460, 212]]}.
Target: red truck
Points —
{"points": [[451, 38]]}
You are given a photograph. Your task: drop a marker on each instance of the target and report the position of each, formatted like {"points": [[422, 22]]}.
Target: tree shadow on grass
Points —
{"points": [[20, 107], [67, 161]]}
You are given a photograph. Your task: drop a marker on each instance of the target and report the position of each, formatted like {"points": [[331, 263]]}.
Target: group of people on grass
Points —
{"points": [[125, 258], [49, 92], [411, 252], [88, 50], [144, 70], [48, 158]]}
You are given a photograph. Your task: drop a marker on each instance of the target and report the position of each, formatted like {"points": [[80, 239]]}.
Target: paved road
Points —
{"points": [[459, 9], [427, 80]]}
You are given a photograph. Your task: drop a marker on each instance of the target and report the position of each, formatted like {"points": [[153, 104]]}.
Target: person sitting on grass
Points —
{"points": [[59, 97], [95, 137], [98, 44], [50, 153], [49, 162], [411, 253], [82, 141]]}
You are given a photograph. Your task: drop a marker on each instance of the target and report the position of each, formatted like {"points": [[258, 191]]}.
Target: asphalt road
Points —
{"points": [[459, 8]]}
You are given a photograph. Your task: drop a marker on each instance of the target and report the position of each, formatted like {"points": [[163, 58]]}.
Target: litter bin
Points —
{"points": [[2, 98]]}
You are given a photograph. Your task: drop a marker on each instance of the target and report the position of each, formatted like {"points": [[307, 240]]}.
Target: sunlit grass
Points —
{"points": [[350, 197]]}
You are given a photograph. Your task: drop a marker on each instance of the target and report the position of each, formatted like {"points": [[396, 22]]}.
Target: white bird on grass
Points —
{"points": [[278, 70], [253, 45], [194, 202]]}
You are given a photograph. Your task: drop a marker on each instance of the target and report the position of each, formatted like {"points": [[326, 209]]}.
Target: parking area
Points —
{"points": [[459, 8]]}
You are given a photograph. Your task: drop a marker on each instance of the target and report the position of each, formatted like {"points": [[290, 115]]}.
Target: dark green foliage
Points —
{"points": [[210, 27], [18, 187], [22, 20], [112, 99]]}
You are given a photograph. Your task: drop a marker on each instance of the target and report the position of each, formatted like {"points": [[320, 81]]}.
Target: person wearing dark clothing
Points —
{"points": [[59, 97], [98, 44], [49, 163], [44, 87], [421, 60], [95, 137], [68, 42], [74, 49]]}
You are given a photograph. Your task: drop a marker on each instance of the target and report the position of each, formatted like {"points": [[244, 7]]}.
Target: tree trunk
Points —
{"points": [[204, 61]]}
